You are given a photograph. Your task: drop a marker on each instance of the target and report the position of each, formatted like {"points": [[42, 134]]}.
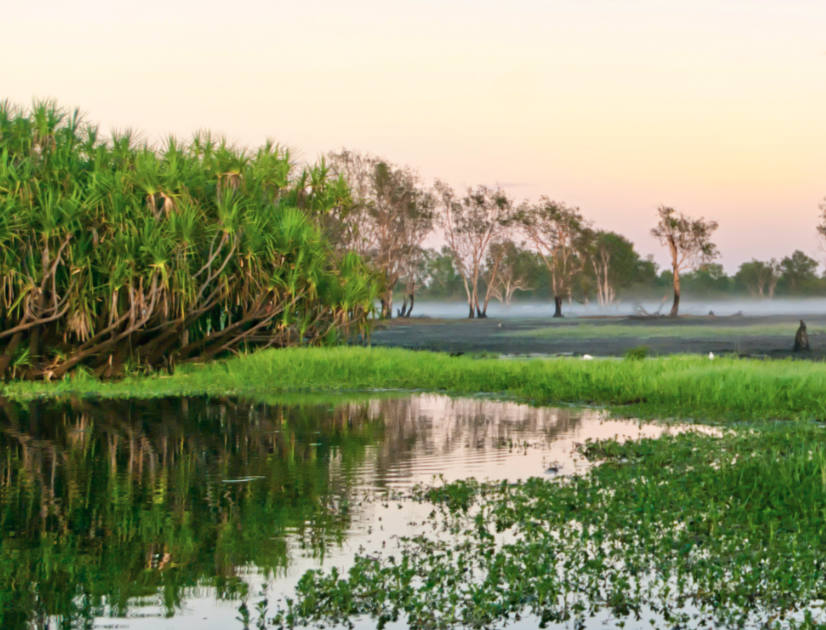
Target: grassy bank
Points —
{"points": [[680, 386]]}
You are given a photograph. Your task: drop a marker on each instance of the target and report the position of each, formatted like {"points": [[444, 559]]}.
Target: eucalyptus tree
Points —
{"points": [[560, 235], [821, 227], [612, 260], [389, 217], [759, 277], [517, 269], [689, 244], [708, 279], [116, 254], [414, 274], [441, 278], [798, 273], [471, 224]]}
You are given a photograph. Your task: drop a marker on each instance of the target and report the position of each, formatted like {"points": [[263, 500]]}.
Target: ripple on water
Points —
{"points": [[235, 496], [457, 438]]}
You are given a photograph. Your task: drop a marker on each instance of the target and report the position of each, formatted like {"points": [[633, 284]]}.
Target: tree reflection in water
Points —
{"points": [[108, 505], [102, 502]]}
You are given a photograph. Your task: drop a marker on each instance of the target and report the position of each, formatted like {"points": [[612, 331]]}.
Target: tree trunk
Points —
{"points": [[387, 306], [557, 306], [509, 289], [469, 295], [8, 353], [675, 307], [480, 313], [35, 343], [485, 305]]}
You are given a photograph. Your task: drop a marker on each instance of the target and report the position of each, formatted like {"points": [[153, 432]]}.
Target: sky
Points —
{"points": [[716, 108]]}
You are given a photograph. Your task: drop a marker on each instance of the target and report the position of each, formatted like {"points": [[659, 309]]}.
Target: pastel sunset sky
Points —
{"points": [[717, 108]]}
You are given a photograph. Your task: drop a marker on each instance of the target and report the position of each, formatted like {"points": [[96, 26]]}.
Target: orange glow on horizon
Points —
{"points": [[714, 108]]}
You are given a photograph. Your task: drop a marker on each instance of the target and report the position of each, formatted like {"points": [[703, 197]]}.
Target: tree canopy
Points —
{"points": [[688, 241]]}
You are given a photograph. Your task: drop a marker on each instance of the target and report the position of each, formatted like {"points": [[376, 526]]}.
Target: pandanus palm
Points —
{"points": [[115, 253]]}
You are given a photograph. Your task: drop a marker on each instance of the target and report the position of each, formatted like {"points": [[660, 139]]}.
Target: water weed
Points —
{"points": [[683, 531]]}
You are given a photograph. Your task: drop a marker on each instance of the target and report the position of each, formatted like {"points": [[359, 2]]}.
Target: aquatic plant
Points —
{"points": [[686, 531], [686, 328], [115, 254]]}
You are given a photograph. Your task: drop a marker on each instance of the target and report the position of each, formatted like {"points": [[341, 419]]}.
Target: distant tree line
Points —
{"points": [[497, 249], [525, 278]]}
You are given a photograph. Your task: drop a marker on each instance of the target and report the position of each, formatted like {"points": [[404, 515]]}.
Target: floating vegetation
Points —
{"points": [[684, 531]]}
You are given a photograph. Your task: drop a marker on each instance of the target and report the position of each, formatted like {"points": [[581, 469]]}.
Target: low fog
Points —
{"points": [[792, 307]]}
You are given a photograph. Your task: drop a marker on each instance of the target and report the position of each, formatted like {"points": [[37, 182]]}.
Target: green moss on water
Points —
{"points": [[678, 386]]}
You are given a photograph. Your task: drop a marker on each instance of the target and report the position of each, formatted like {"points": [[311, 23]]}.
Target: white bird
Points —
{"points": [[711, 356], [587, 357]]}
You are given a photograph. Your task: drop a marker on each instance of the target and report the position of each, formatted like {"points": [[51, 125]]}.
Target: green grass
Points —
{"points": [[677, 386], [669, 330]]}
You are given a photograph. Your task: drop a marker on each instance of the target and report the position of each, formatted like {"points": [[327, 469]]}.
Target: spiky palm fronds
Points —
{"points": [[118, 252]]}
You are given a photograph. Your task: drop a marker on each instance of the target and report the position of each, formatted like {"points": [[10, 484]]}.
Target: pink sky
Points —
{"points": [[716, 108]]}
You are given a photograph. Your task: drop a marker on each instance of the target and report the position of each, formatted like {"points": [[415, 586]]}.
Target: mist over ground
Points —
{"points": [[721, 307]]}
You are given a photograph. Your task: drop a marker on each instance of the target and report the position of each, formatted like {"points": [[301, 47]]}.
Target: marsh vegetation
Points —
{"points": [[686, 531], [187, 507], [322, 509]]}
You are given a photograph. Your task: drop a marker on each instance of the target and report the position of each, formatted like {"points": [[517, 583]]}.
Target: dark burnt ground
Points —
{"points": [[765, 337]]}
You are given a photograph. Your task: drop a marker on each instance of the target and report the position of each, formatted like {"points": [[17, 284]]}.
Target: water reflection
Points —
{"points": [[178, 507]]}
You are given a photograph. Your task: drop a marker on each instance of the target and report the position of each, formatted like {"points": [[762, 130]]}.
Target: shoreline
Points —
{"points": [[676, 387]]}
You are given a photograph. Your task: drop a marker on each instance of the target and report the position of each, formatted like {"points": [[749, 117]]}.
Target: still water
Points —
{"points": [[168, 513]]}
